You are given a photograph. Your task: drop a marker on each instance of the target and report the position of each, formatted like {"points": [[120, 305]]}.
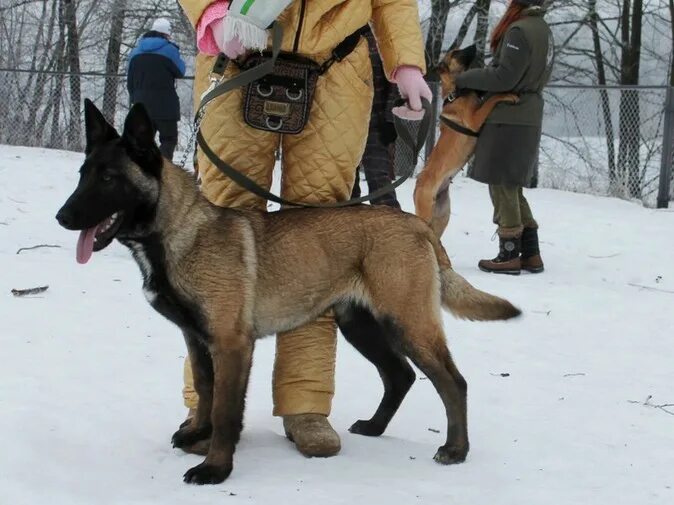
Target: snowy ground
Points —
{"points": [[90, 376]]}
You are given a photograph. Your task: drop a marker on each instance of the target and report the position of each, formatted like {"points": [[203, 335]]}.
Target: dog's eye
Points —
{"points": [[106, 178]]}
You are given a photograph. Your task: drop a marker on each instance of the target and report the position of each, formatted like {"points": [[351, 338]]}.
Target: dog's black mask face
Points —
{"points": [[119, 182]]}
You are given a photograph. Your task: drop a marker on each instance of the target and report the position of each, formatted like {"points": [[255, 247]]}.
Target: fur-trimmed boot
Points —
{"points": [[508, 259], [312, 434], [531, 254]]}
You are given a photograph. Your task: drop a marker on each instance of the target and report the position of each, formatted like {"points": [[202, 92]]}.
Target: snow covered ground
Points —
{"points": [[90, 376]]}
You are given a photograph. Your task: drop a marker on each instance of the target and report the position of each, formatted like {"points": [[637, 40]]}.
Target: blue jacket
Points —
{"points": [[154, 65]]}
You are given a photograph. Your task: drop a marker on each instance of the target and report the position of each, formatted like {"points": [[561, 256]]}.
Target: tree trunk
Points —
{"points": [[39, 90], [465, 25], [482, 30], [593, 18], [73, 56], [630, 117], [436, 32], [56, 137], [112, 60], [671, 55]]}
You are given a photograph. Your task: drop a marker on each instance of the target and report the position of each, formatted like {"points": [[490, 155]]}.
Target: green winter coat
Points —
{"points": [[507, 150]]}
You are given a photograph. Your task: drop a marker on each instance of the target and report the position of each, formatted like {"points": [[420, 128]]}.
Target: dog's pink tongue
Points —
{"points": [[85, 245]]}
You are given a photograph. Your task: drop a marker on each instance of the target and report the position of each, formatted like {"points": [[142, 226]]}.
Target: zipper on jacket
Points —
{"points": [[303, 7]]}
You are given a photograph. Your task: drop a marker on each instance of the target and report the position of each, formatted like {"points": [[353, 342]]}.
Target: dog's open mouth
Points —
{"points": [[97, 237]]}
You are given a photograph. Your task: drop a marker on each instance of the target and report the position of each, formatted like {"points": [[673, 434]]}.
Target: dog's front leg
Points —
{"points": [[199, 427], [476, 120], [231, 365]]}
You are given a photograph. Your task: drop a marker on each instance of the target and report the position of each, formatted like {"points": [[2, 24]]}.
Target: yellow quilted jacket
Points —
{"points": [[314, 27]]}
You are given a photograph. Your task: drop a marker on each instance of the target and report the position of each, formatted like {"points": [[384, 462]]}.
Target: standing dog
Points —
{"points": [[456, 145], [229, 276]]}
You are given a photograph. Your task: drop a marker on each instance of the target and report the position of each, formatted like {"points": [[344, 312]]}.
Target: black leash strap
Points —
{"points": [[458, 128], [259, 71]]}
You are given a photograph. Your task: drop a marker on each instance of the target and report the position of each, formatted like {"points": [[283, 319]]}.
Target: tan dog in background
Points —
{"points": [[454, 148]]}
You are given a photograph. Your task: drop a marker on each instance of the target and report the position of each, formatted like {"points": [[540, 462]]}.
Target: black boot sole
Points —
{"points": [[538, 270], [504, 272]]}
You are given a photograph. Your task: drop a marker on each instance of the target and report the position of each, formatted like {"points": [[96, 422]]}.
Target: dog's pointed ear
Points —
{"points": [[138, 138], [467, 55], [139, 131], [98, 130]]}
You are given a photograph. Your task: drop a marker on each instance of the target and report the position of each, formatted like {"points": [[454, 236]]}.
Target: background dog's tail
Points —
{"points": [[467, 302], [462, 299]]}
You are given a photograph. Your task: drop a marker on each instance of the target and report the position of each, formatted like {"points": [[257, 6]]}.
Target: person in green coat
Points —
{"points": [[506, 155]]}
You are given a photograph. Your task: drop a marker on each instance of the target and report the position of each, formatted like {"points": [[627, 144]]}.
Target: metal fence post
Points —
{"points": [[664, 193]]}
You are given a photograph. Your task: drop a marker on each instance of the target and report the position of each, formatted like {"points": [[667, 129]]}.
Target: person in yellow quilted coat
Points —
{"points": [[318, 164]]}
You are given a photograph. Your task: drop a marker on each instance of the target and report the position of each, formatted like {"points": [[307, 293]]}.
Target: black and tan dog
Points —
{"points": [[229, 276], [467, 113]]}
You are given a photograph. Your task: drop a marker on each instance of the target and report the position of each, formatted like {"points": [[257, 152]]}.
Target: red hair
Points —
{"points": [[512, 14]]}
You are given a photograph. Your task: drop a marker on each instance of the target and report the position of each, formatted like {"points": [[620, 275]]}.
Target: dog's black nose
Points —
{"points": [[65, 218]]}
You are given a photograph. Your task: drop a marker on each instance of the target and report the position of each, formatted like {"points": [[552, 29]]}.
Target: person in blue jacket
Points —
{"points": [[154, 65]]}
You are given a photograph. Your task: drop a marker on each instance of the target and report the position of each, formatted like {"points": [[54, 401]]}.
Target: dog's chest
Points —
{"points": [[158, 289]]}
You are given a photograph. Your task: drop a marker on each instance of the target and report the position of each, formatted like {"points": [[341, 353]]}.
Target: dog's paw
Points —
{"points": [[200, 448], [366, 428], [207, 474], [513, 99], [188, 436], [450, 455]]}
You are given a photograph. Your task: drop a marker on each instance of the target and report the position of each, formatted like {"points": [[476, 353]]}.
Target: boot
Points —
{"points": [[312, 434], [508, 259], [531, 254]]}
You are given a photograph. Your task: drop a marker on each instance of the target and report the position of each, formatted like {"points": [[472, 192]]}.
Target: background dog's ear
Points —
{"points": [[98, 130], [467, 55]]}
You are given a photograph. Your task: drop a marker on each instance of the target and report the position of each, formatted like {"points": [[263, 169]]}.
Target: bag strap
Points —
{"points": [[343, 49], [257, 72]]}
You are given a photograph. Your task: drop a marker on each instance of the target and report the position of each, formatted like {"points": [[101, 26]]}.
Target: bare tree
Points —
{"points": [[112, 59]]}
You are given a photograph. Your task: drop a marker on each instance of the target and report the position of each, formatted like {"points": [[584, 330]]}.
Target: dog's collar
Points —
{"points": [[450, 98]]}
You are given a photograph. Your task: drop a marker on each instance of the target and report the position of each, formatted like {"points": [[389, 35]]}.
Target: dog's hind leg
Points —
{"points": [[199, 427], [374, 341], [441, 209], [431, 177], [426, 347]]}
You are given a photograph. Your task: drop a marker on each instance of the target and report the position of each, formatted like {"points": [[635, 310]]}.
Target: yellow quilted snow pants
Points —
{"points": [[318, 165]]}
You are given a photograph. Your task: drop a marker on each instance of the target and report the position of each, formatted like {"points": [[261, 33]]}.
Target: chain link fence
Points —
{"points": [[44, 109], [604, 141]]}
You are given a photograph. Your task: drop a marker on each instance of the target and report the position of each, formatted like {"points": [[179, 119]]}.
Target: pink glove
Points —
{"points": [[210, 32], [413, 87]]}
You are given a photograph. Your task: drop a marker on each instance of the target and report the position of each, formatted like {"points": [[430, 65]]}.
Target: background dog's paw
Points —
{"points": [[207, 474], [513, 99], [450, 455], [188, 436], [366, 428]]}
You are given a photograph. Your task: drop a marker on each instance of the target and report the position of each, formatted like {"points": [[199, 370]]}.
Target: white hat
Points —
{"points": [[162, 25]]}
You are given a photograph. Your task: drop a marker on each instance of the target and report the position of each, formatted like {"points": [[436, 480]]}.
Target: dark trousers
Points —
{"points": [[168, 137], [378, 168], [511, 210]]}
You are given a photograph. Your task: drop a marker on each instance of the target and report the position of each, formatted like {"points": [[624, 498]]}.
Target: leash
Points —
{"points": [[458, 128], [219, 86]]}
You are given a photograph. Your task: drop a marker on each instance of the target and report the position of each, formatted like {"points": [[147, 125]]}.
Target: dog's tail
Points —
{"points": [[465, 301]]}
